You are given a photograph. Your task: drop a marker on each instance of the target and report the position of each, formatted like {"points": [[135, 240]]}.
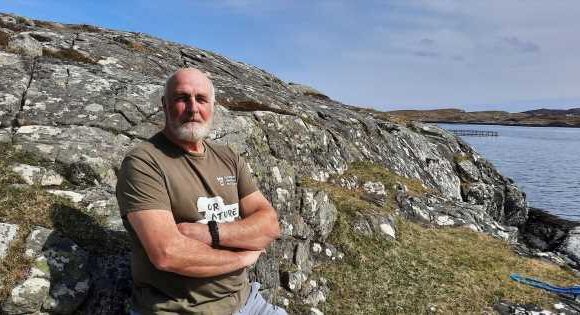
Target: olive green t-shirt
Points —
{"points": [[196, 188]]}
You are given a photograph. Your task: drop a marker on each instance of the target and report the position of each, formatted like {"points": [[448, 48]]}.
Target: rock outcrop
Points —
{"points": [[79, 97]]}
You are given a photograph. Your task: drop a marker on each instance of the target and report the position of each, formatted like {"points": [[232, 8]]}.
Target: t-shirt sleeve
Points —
{"points": [[246, 182], [140, 186]]}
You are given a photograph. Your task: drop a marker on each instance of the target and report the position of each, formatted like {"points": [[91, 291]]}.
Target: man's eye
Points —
{"points": [[200, 99]]}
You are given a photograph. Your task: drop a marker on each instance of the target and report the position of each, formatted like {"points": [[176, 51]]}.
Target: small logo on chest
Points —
{"points": [[227, 180]]}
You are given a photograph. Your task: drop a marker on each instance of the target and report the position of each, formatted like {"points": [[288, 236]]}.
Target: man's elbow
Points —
{"points": [[167, 257], [162, 259]]}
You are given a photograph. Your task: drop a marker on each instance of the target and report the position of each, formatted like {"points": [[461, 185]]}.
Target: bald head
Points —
{"points": [[184, 74]]}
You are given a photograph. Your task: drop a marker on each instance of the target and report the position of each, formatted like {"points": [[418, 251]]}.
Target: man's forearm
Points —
{"points": [[192, 258], [255, 232], [169, 250]]}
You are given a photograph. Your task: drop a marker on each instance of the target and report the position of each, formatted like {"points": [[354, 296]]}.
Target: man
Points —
{"points": [[194, 213]]}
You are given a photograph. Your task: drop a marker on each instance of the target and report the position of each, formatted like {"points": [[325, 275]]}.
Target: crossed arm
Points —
{"points": [[258, 228], [184, 248]]}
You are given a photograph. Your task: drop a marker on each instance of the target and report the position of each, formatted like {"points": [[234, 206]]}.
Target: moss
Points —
{"points": [[462, 157], [42, 265], [351, 200], [368, 171]]}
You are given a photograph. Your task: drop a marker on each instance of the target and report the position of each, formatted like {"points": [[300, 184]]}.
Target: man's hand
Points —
{"points": [[196, 231], [249, 257]]}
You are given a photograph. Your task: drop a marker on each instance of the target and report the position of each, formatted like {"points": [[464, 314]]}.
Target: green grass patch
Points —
{"points": [[350, 200], [454, 270], [462, 157]]}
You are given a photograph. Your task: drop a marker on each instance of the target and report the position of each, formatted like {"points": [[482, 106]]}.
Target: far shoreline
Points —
{"points": [[557, 125]]}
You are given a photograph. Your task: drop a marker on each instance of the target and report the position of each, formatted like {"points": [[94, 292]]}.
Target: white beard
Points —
{"points": [[191, 131]]}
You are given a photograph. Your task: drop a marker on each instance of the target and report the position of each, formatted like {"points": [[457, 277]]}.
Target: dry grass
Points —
{"points": [[68, 54], [139, 47], [453, 270], [4, 38], [14, 267], [84, 28]]}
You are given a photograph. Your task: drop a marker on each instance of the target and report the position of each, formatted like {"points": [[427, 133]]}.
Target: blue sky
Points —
{"points": [[469, 54]]}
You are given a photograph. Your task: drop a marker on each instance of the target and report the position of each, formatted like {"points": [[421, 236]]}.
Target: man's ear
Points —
{"points": [[163, 102]]}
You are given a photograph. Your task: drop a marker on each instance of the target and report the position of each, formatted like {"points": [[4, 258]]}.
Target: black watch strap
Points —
{"points": [[214, 232]]}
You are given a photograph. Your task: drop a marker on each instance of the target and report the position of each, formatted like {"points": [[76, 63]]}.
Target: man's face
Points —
{"points": [[188, 106]]}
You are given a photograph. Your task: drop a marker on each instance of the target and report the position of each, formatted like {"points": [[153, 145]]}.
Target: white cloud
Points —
{"points": [[448, 53]]}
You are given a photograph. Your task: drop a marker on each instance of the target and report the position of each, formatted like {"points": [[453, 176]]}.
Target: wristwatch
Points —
{"points": [[214, 232]]}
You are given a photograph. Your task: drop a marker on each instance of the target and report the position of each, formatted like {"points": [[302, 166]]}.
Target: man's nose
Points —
{"points": [[193, 106]]}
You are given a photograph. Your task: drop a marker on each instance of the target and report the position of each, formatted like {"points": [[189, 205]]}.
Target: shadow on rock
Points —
{"points": [[109, 259]]}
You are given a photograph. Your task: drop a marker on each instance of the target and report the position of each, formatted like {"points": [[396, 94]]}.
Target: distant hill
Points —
{"points": [[538, 117], [545, 111]]}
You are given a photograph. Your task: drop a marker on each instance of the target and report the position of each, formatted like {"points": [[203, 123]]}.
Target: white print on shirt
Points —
{"points": [[227, 180], [214, 209]]}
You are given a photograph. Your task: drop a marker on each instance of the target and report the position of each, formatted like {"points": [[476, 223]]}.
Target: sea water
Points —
{"points": [[543, 161]]}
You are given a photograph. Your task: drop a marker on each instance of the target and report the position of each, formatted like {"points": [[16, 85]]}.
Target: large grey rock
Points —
{"points": [[15, 77], [467, 170], [571, 244], [35, 175], [369, 224], [305, 90], [27, 297], [318, 211], [24, 44], [437, 211], [8, 234]]}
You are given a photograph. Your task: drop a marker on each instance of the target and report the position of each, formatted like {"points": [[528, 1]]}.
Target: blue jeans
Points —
{"points": [[255, 305]]}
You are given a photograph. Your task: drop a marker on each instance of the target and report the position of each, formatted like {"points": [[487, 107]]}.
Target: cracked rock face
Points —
{"points": [[79, 97]]}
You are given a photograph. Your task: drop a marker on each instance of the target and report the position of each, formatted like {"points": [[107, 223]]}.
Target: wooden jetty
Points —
{"points": [[474, 133]]}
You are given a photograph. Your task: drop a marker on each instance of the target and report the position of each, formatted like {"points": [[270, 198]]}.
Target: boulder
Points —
{"points": [[318, 211], [24, 44], [8, 233], [35, 175]]}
